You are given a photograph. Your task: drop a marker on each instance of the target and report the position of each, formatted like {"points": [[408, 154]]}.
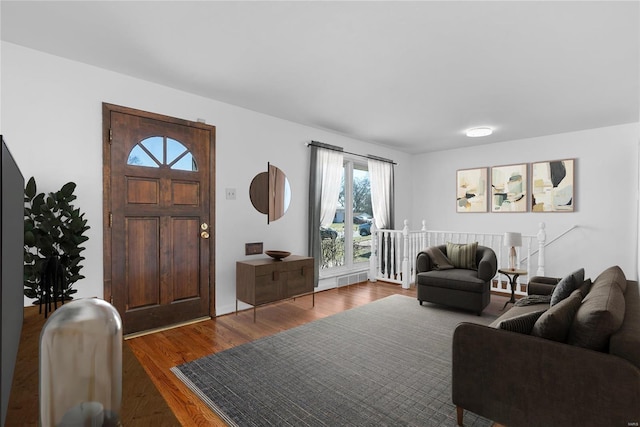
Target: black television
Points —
{"points": [[11, 271]]}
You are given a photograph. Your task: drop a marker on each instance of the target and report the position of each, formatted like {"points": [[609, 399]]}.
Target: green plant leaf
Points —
{"points": [[68, 188], [30, 189], [36, 204], [29, 238], [52, 227]]}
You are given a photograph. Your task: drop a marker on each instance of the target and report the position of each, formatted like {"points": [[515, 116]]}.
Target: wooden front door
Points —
{"points": [[159, 207]]}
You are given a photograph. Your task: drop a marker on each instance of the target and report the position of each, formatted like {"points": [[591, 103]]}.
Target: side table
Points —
{"points": [[512, 275]]}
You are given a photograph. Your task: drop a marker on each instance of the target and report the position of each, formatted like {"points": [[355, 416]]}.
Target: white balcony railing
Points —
{"points": [[394, 252]]}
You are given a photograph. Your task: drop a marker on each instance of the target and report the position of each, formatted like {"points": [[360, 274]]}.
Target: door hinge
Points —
{"points": [[110, 135], [110, 219], [111, 300]]}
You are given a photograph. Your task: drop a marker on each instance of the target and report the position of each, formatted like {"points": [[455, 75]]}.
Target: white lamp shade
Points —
{"points": [[512, 239]]}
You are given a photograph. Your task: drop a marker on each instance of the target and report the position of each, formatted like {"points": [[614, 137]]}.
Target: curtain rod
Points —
{"points": [[335, 148]]}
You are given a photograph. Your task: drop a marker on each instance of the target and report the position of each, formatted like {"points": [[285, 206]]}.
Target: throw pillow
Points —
{"points": [[600, 315], [554, 324], [522, 323], [567, 285], [438, 259], [585, 287], [463, 255]]}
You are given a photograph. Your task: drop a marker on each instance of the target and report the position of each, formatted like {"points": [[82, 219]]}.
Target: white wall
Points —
{"points": [[606, 184], [52, 120], [51, 117]]}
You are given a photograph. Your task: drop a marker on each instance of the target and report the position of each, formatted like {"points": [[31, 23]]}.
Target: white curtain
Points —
{"points": [[330, 161], [381, 177], [325, 172]]}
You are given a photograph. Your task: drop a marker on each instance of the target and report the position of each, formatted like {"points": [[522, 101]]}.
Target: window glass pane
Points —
{"points": [[139, 157], [178, 156], [186, 163], [362, 214], [155, 145], [174, 150], [347, 241]]}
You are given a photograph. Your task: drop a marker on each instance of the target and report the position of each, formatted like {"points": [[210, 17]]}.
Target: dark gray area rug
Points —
{"points": [[387, 363]]}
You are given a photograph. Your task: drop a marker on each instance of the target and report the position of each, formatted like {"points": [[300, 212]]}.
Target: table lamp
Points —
{"points": [[512, 239]]}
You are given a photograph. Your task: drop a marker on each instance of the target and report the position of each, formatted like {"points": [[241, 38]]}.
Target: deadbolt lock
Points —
{"points": [[204, 226]]}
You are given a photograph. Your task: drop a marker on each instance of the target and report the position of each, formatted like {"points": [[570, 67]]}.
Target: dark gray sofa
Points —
{"points": [[461, 288], [518, 379]]}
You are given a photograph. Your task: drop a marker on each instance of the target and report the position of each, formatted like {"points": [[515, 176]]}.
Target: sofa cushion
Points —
{"points": [[555, 323], [438, 259], [567, 285], [601, 313], [522, 323], [463, 255]]}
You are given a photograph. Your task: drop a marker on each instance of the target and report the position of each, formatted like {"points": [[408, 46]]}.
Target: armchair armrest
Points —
{"points": [[488, 263], [542, 285], [517, 379]]}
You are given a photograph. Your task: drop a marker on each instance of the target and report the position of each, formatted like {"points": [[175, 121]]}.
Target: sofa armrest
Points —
{"points": [[423, 262], [517, 379], [542, 285]]}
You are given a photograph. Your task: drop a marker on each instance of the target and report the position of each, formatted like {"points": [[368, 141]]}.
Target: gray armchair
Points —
{"points": [[457, 287]]}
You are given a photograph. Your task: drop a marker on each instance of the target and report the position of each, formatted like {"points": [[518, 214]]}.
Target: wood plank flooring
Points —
{"points": [[142, 404], [161, 351]]}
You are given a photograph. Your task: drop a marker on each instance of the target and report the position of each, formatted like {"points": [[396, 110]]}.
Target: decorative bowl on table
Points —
{"points": [[278, 255]]}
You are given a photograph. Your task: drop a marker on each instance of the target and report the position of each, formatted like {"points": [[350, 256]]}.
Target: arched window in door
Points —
{"points": [[162, 151]]}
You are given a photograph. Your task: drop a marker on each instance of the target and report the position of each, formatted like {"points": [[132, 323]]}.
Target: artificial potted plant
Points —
{"points": [[53, 235]]}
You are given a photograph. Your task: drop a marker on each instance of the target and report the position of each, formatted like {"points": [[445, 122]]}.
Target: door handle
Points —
{"points": [[204, 233]]}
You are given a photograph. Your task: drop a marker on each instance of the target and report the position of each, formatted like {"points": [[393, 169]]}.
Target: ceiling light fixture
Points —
{"points": [[477, 132]]}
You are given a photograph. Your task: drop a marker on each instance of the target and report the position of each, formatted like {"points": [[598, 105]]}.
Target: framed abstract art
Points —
{"points": [[509, 188], [552, 186], [471, 190]]}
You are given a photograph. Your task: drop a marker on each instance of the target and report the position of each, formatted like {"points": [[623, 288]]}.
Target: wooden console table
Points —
{"points": [[142, 403], [263, 281]]}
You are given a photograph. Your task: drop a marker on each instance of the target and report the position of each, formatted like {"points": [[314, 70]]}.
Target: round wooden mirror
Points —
{"points": [[270, 193]]}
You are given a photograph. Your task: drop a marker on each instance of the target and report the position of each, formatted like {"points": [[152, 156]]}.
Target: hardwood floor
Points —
{"points": [[161, 351]]}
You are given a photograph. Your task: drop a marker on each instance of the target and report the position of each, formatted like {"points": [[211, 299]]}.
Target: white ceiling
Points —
{"points": [[410, 75]]}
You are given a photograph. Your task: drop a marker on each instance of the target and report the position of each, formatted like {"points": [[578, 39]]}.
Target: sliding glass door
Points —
{"points": [[347, 241]]}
